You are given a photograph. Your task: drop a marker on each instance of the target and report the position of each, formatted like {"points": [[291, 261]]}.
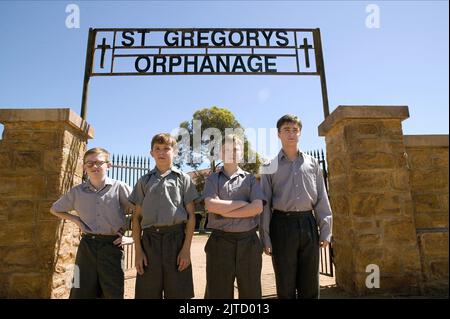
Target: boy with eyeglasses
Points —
{"points": [[100, 204]]}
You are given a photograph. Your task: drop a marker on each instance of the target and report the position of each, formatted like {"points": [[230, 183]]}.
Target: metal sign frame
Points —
{"points": [[305, 46]]}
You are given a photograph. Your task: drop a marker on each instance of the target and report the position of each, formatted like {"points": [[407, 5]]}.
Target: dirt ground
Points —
{"points": [[327, 284]]}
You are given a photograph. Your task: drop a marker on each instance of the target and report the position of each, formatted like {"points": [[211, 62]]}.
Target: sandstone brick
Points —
{"points": [[425, 180], [439, 158], [374, 145], [46, 255], [20, 257], [44, 210], [366, 204], [406, 261], [336, 167], [4, 210], [363, 181], [369, 240], [419, 159], [54, 187], [439, 269], [47, 232], [338, 184], [27, 285], [53, 161], [17, 234], [372, 160], [402, 229], [362, 129], [434, 244], [27, 160], [431, 219], [5, 160], [343, 256], [426, 202], [339, 205], [365, 255], [391, 128], [22, 211], [24, 186], [400, 180]]}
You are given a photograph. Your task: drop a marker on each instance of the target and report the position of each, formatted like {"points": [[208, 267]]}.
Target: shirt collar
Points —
{"points": [[239, 171], [88, 185], [282, 155], [172, 169]]}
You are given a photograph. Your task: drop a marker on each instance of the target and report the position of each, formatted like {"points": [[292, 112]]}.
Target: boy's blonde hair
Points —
{"points": [[96, 151], [163, 138]]}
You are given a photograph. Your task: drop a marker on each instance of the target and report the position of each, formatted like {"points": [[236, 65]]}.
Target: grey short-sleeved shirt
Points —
{"points": [[296, 185], [163, 197], [240, 186], [102, 211]]}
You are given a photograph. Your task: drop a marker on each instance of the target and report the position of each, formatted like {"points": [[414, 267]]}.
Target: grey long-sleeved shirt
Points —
{"points": [[295, 186]]}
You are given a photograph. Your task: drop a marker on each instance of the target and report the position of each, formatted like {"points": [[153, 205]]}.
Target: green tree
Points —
{"points": [[221, 119]]}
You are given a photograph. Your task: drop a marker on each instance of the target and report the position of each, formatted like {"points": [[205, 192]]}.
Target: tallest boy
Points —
{"points": [[297, 203]]}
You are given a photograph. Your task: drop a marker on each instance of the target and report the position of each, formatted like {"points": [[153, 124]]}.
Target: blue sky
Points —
{"points": [[404, 62]]}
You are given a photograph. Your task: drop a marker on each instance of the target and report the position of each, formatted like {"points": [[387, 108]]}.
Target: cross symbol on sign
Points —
{"points": [[103, 46], [305, 46]]}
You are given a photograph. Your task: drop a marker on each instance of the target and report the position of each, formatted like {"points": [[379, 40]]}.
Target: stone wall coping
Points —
{"points": [[431, 140], [344, 112], [66, 115]]}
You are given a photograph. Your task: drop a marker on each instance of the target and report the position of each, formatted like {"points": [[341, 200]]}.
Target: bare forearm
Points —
{"points": [[136, 227], [250, 210], [219, 206], [64, 215], [190, 226]]}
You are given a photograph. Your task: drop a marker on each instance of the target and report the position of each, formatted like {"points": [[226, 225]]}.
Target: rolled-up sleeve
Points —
{"points": [[322, 207], [190, 192], [66, 203], [266, 215], [137, 195], [210, 188], [124, 194], [256, 191]]}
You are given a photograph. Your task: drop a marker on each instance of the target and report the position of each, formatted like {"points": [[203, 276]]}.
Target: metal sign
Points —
{"points": [[122, 52]]}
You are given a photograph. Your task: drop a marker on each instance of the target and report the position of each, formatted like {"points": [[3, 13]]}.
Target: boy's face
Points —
{"points": [[289, 134], [163, 154], [232, 152], [96, 166]]}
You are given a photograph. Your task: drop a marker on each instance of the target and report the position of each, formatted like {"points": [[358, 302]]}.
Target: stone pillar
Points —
{"points": [[40, 159], [370, 196]]}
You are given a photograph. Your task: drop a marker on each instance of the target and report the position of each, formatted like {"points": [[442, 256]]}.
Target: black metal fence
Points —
{"points": [[130, 168]]}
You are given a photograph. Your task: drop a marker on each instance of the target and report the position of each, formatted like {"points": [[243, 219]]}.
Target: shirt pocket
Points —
{"points": [[173, 192], [240, 192]]}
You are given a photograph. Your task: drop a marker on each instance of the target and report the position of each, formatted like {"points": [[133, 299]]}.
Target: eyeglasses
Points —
{"points": [[96, 163]]}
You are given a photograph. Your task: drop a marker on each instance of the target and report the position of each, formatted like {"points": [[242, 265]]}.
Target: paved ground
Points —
{"points": [[328, 285]]}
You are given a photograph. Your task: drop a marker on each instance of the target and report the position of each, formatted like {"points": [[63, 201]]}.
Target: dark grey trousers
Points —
{"points": [[230, 256], [295, 255], [99, 271], [161, 277]]}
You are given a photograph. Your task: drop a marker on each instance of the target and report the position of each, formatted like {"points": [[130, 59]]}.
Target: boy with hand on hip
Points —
{"points": [[100, 203], [163, 226]]}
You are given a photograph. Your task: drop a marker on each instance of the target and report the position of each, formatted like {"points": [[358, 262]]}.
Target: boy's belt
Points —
{"points": [[99, 236], [164, 229], [280, 212]]}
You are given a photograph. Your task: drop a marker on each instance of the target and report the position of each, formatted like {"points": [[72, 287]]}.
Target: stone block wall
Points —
{"points": [[429, 178], [40, 159]]}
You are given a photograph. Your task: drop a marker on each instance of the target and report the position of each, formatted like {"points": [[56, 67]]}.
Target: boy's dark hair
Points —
{"points": [[288, 118], [163, 138], [96, 151]]}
